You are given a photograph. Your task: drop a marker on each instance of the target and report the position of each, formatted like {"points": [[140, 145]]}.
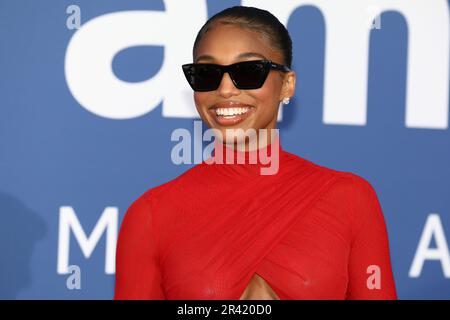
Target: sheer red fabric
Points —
{"points": [[309, 231]]}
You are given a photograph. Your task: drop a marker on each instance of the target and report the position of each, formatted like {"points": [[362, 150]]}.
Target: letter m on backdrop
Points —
{"points": [[68, 221]]}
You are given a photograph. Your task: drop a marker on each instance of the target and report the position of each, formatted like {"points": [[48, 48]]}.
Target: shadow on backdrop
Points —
{"points": [[20, 229]]}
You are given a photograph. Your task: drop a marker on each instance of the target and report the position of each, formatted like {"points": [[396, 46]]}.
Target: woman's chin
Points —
{"points": [[237, 136]]}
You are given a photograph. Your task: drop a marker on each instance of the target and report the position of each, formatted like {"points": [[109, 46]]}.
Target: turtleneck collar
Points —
{"points": [[261, 161]]}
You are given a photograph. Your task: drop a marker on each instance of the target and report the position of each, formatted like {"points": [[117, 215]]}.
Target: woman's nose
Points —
{"points": [[227, 87]]}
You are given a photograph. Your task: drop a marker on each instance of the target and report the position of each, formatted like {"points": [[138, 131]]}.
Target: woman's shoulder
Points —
{"points": [[345, 182], [351, 195], [354, 195], [171, 188]]}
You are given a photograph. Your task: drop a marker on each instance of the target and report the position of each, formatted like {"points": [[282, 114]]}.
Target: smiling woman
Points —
{"points": [[257, 51], [226, 231]]}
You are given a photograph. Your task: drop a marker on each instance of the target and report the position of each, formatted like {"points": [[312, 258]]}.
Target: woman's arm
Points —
{"points": [[138, 275], [370, 273]]}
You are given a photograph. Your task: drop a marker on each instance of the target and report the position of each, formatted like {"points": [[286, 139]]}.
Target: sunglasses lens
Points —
{"points": [[203, 77], [250, 75], [245, 75]]}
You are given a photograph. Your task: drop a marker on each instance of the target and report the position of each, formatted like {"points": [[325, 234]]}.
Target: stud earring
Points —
{"points": [[286, 100]]}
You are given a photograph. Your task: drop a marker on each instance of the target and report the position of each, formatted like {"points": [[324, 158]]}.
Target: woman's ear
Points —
{"points": [[288, 89]]}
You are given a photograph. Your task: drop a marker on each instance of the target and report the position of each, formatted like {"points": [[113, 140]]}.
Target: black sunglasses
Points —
{"points": [[245, 75]]}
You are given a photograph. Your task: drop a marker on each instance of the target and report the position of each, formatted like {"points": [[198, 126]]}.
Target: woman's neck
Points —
{"points": [[249, 143]]}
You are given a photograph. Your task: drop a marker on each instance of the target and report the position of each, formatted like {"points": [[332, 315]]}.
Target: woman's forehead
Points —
{"points": [[228, 44], [241, 56]]}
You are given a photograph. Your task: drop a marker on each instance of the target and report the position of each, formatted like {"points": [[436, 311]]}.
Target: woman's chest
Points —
{"points": [[309, 262]]}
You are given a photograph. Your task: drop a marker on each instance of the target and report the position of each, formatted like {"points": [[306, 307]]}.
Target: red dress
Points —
{"points": [[309, 231]]}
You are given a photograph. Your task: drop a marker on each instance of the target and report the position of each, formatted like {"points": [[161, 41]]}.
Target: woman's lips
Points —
{"points": [[229, 114]]}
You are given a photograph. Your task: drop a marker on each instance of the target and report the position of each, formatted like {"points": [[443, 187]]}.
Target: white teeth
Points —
{"points": [[231, 111]]}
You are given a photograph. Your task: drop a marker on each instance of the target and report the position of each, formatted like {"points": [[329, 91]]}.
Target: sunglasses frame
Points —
{"points": [[268, 65]]}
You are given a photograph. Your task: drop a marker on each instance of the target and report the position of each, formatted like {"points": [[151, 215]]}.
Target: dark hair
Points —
{"points": [[255, 19]]}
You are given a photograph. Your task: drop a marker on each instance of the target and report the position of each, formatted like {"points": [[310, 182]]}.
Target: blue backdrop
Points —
{"points": [[74, 156]]}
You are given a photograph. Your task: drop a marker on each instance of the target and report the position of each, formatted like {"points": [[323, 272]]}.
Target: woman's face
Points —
{"points": [[227, 44]]}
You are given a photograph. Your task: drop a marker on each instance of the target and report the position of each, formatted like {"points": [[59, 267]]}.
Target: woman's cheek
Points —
{"points": [[200, 101]]}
